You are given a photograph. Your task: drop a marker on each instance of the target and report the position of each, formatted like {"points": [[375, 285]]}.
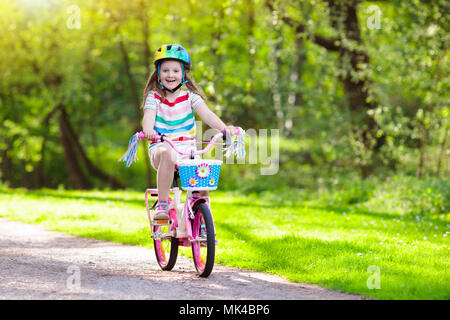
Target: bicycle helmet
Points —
{"points": [[176, 52], [172, 51]]}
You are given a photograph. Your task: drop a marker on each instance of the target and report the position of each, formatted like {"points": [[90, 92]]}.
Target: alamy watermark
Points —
{"points": [[262, 148], [374, 281], [374, 20], [74, 19], [73, 282]]}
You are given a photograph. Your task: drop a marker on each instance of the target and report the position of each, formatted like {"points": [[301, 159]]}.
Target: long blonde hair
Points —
{"points": [[153, 85]]}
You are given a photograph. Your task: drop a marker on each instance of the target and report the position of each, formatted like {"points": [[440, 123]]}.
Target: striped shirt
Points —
{"points": [[174, 119]]}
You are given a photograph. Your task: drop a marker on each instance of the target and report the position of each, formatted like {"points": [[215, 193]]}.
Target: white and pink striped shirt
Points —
{"points": [[174, 119]]}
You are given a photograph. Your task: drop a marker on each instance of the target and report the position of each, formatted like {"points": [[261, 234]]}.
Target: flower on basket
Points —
{"points": [[192, 182], [212, 181], [203, 170]]}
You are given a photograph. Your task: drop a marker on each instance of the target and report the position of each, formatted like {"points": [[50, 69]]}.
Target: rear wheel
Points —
{"points": [[203, 246], [166, 247]]}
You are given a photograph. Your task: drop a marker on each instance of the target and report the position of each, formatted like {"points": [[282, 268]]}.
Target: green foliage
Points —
{"points": [[411, 196], [257, 68], [398, 195]]}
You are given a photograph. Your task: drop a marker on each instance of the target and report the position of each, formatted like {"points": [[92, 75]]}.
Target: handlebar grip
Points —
{"points": [[156, 137]]}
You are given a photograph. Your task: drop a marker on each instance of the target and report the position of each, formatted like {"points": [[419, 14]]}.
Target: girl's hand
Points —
{"points": [[149, 133], [231, 131]]}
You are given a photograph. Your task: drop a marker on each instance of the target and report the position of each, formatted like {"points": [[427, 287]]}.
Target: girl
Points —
{"points": [[170, 100]]}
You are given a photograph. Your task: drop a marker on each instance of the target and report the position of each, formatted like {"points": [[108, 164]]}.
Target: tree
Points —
{"points": [[353, 61]]}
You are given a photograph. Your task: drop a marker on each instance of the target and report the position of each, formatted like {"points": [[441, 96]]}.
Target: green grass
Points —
{"points": [[325, 240]]}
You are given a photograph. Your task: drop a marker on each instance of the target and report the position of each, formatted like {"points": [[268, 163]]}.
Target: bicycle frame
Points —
{"points": [[185, 239], [190, 201]]}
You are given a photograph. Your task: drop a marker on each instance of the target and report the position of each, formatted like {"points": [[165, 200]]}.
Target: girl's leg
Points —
{"points": [[164, 160]]}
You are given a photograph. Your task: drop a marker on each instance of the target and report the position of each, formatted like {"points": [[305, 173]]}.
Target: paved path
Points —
{"points": [[39, 264]]}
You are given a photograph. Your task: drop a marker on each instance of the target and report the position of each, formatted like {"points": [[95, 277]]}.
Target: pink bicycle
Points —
{"points": [[190, 223]]}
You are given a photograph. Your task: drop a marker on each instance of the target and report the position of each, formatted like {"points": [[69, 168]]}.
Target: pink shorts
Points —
{"points": [[181, 146]]}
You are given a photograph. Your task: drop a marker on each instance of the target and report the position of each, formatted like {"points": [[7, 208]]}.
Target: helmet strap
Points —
{"points": [[183, 81]]}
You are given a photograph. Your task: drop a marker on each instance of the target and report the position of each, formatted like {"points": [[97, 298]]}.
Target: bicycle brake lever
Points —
{"points": [[226, 137]]}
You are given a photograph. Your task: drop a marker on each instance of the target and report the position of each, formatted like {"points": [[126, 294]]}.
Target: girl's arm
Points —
{"points": [[212, 120], [148, 123]]}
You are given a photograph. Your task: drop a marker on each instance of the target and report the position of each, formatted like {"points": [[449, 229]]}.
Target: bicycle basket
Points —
{"points": [[199, 174]]}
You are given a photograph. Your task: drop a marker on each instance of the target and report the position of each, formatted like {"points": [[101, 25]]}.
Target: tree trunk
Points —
{"points": [[131, 82], [76, 176], [91, 168], [422, 138], [216, 38], [441, 152], [295, 96], [40, 176], [6, 165], [134, 91], [249, 113], [71, 139], [275, 84], [344, 18], [147, 63]]}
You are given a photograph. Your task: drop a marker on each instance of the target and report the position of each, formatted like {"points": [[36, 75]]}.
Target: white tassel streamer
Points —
{"points": [[130, 155], [237, 146]]}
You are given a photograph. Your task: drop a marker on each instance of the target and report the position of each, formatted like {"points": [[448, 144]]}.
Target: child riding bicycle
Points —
{"points": [[170, 100]]}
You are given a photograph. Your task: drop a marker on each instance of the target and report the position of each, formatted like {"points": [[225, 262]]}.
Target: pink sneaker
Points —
{"points": [[161, 211]]}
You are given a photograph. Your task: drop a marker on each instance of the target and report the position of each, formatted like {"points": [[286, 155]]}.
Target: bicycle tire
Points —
{"points": [[161, 254], [203, 261]]}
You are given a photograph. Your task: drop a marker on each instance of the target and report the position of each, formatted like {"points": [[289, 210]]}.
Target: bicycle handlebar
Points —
{"points": [[162, 138], [237, 145]]}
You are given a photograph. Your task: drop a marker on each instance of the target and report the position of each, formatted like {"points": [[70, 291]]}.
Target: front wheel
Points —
{"points": [[166, 247], [203, 245]]}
